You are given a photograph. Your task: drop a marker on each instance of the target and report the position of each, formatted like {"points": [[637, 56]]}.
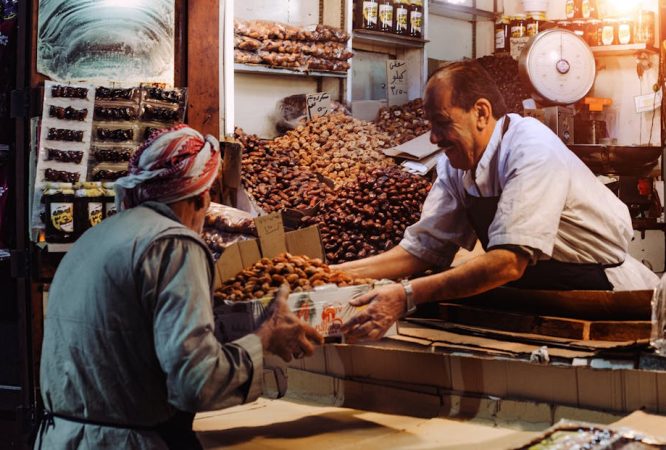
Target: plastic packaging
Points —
{"points": [[658, 335], [69, 92], [60, 219], [112, 132], [67, 113], [112, 153], [117, 113], [64, 156], [114, 94], [230, 220], [108, 171]]}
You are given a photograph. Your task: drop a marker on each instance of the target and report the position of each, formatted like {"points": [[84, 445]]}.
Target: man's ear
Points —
{"points": [[484, 112], [198, 201]]}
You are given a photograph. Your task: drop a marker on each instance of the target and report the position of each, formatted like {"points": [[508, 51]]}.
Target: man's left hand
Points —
{"points": [[386, 305]]}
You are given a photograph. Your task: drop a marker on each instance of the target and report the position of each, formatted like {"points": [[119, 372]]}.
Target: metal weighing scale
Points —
{"points": [[561, 69]]}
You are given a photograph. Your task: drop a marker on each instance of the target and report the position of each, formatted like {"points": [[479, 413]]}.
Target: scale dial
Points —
{"points": [[559, 65]]}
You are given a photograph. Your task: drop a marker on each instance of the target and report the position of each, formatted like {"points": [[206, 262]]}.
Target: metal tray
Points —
{"points": [[634, 161]]}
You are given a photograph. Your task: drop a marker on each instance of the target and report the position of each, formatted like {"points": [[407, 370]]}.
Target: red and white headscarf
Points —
{"points": [[171, 165]]}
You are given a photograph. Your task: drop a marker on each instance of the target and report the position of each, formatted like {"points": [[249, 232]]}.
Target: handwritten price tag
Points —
{"points": [[396, 82], [318, 104]]}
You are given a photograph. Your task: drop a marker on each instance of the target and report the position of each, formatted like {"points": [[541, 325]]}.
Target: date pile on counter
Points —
{"points": [[264, 278], [369, 216], [275, 179], [319, 47], [337, 146], [403, 123]]}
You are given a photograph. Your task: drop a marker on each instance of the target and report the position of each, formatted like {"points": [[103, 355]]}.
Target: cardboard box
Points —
{"points": [[326, 308]]}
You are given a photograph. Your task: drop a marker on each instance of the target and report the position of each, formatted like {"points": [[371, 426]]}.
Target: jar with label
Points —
{"points": [[608, 31], [593, 30], [585, 10], [385, 16], [89, 206], [369, 12], [502, 29], [416, 18], [644, 31], [572, 8], [109, 199], [534, 23], [59, 208], [624, 31], [518, 28], [401, 17]]}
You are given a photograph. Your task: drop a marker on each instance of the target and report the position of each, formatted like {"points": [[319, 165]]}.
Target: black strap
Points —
{"points": [[48, 421]]}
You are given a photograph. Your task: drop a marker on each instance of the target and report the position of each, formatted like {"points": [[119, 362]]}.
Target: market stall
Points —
{"points": [[327, 160]]}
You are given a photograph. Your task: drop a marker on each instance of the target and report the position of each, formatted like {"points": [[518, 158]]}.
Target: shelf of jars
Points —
{"points": [[623, 50], [269, 70], [380, 37]]}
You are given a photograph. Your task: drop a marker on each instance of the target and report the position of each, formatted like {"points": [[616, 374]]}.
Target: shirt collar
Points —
{"points": [[162, 209], [483, 166]]}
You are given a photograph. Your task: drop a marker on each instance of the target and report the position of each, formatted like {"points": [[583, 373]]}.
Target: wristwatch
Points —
{"points": [[409, 294]]}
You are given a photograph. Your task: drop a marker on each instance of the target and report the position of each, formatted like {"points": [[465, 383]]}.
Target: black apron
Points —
{"points": [[176, 432], [546, 274]]}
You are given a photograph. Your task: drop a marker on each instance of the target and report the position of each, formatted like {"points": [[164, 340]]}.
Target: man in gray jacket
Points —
{"points": [[129, 353]]}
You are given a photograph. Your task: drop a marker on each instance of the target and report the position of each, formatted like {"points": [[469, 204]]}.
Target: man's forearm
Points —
{"points": [[393, 264], [485, 272]]}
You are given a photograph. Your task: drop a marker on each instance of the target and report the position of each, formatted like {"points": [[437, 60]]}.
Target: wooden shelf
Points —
{"points": [[622, 50], [379, 37], [268, 70], [441, 8]]}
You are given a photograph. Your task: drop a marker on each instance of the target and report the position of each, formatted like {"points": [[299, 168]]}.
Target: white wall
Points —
{"points": [[450, 39]]}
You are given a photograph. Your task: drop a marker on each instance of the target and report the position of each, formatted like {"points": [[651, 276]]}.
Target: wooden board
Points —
{"points": [[584, 330], [587, 305]]}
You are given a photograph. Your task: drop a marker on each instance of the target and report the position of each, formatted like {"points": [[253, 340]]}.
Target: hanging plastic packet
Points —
{"points": [[108, 171], [161, 107], [115, 132], [112, 152]]}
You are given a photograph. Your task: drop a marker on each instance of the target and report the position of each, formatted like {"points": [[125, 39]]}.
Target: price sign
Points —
{"points": [[396, 82], [318, 104]]}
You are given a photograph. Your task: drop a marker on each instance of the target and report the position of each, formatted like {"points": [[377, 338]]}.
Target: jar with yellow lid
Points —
{"points": [[502, 34]]}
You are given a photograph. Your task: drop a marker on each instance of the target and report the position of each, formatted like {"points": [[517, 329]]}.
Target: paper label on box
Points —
{"points": [[271, 234], [648, 102], [396, 85], [318, 104]]}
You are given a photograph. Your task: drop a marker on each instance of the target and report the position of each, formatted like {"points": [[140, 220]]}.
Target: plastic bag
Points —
{"points": [[658, 336]]}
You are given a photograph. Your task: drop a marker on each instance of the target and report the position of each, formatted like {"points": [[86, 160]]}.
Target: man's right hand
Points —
{"points": [[286, 335]]}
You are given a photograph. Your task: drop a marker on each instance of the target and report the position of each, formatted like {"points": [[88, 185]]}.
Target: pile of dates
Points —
{"points": [[266, 276], [369, 216], [275, 179], [403, 123], [336, 146], [504, 70]]}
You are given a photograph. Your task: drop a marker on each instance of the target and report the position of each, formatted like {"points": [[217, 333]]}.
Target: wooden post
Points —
{"points": [[231, 172], [203, 66]]}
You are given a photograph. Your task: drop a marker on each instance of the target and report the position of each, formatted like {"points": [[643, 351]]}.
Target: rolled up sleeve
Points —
{"points": [[201, 374], [442, 229]]}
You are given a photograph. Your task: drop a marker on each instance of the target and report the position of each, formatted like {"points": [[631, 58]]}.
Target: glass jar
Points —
{"points": [[369, 11], [573, 9], [608, 31], [593, 30], [385, 16], [518, 28], [625, 31], [416, 18], [60, 219], [401, 17], [585, 9], [644, 31], [534, 23], [502, 34]]}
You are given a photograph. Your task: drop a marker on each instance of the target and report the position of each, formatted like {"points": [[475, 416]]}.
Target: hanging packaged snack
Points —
{"points": [[106, 112], [162, 113], [108, 171], [58, 201], [64, 91], [64, 134], [112, 153], [117, 94], [67, 113], [243, 57], [246, 43], [64, 156], [159, 93], [114, 132], [61, 176]]}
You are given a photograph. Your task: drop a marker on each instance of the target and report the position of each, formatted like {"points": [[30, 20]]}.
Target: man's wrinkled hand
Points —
{"points": [[286, 335], [385, 306]]}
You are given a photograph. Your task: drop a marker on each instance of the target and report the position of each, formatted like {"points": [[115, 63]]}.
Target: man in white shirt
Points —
{"points": [[543, 218]]}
